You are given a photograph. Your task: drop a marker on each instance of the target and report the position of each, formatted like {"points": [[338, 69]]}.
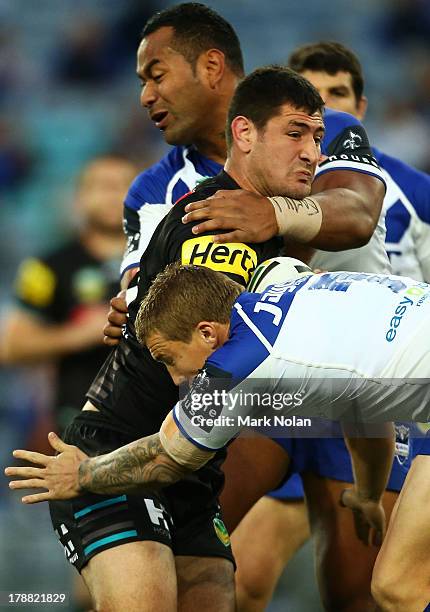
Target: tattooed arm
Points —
{"points": [[71, 472], [143, 462]]}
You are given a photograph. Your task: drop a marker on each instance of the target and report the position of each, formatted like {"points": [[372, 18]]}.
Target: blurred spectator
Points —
{"points": [[82, 59], [61, 298], [407, 22], [95, 52], [15, 159], [404, 133]]}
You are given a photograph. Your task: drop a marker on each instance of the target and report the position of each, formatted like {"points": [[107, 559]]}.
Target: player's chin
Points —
{"points": [[300, 190], [176, 136]]}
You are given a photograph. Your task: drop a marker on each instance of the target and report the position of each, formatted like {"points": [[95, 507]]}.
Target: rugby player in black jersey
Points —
{"points": [[275, 147]]}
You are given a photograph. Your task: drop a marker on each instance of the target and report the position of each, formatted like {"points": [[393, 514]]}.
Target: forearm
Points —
{"points": [[346, 222], [351, 204], [372, 459], [27, 342], [127, 469]]}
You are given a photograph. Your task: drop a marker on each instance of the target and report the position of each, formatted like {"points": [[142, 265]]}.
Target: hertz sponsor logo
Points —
{"points": [[231, 257]]}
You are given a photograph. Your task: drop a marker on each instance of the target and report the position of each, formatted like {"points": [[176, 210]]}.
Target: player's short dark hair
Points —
{"points": [[181, 297], [197, 28], [330, 57], [260, 95]]}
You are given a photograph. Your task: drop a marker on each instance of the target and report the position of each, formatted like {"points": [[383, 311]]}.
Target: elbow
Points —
{"points": [[363, 231], [8, 355]]}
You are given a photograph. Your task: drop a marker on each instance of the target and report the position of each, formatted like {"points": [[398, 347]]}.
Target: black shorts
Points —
{"points": [[184, 516]]}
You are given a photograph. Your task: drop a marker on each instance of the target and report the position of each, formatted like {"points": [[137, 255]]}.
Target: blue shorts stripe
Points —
{"points": [[102, 504], [113, 538]]}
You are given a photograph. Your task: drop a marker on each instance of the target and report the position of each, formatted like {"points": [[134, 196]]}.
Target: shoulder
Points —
{"points": [[150, 186], [344, 127], [414, 183]]}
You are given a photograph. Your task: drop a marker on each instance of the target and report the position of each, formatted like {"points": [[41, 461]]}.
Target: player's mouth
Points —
{"points": [[160, 119], [305, 176]]}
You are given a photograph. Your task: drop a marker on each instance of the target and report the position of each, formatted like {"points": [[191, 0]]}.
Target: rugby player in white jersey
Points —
{"points": [[343, 572], [276, 339]]}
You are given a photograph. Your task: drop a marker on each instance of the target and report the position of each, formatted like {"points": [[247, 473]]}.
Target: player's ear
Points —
{"points": [[361, 108], [208, 333], [211, 66], [244, 133]]}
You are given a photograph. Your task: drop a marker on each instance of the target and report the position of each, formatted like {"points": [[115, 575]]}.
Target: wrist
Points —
{"points": [[297, 219], [84, 476], [366, 495]]}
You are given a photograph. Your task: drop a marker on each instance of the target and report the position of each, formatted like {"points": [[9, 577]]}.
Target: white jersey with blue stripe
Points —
{"points": [[155, 190], [349, 149], [341, 342], [407, 210], [153, 193]]}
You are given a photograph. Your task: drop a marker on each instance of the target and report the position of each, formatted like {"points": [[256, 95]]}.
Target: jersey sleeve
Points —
{"points": [[35, 288], [422, 248], [346, 146], [414, 186], [144, 208]]}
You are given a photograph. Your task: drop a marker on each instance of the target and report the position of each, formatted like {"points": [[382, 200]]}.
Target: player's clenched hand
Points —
{"points": [[117, 317], [58, 474], [250, 217], [369, 517]]}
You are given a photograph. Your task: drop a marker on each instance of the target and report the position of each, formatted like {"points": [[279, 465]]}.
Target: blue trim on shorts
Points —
{"points": [[102, 504], [113, 538]]}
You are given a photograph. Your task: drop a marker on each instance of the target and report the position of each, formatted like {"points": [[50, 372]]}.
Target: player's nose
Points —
{"points": [[148, 95]]}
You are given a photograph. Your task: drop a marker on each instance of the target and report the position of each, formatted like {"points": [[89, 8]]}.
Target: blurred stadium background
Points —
{"points": [[68, 91]]}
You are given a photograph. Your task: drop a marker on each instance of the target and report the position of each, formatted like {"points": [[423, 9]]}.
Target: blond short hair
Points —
{"points": [[183, 296]]}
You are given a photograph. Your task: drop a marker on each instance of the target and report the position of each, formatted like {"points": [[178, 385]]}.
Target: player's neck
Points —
{"points": [[103, 244], [212, 143], [213, 148], [237, 173]]}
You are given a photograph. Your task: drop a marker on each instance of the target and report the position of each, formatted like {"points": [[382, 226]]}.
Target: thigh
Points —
{"points": [[263, 543], [404, 559], [204, 559], [254, 466], [205, 583], [137, 577], [343, 563]]}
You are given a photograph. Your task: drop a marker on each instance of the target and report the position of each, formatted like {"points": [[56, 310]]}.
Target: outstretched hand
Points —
{"points": [[249, 216], [59, 474], [369, 517]]}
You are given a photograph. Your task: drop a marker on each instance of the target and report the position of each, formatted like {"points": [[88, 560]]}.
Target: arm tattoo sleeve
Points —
{"points": [[130, 467]]}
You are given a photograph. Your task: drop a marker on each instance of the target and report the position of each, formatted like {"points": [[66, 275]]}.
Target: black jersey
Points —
{"points": [[132, 391], [59, 288]]}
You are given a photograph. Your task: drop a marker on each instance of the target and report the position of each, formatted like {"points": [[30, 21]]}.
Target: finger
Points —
{"points": [[32, 483], [57, 443], [117, 318], [197, 215], [110, 341], [236, 236], [36, 498], [119, 303], [27, 472], [112, 330], [32, 456], [195, 206]]}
